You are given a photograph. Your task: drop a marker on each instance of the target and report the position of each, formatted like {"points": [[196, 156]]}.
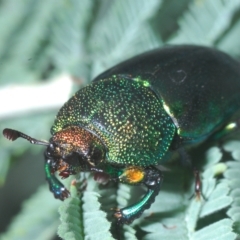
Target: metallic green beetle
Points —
{"points": [[130, 116]]}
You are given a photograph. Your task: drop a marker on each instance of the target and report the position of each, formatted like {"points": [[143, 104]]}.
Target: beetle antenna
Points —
{"points": [[12, 135]]}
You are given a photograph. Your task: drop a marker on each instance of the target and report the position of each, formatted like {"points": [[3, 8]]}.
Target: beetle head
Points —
{"points": [[71, 149], [77, 147]]}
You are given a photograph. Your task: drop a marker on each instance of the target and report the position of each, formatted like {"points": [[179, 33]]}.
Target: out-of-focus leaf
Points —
{"points": [[38, 218]]}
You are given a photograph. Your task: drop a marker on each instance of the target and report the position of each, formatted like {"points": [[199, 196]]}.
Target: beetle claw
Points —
{"points": [[65, 194], [121, 217], [61, 194], [118, 215]]}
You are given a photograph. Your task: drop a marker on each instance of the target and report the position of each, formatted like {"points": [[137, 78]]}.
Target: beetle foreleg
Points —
{"points": [[151, 177], [55, 186]]}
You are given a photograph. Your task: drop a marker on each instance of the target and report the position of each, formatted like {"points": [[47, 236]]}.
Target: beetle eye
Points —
{"points": [[74, 159], [96, 155]]}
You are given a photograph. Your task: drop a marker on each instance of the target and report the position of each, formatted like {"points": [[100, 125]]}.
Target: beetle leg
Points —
{"points": [[198, 186], [151, 177], [55, 186], [186, 160]]}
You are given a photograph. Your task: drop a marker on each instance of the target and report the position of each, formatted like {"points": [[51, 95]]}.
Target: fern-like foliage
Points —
{"points": [[71, 217], [40, 39]]}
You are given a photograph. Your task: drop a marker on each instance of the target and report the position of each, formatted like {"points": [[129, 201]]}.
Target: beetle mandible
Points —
{"points": [[130, 116]]}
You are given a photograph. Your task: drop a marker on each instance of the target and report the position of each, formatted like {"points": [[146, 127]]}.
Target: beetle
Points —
{"points": [[131, 116]]}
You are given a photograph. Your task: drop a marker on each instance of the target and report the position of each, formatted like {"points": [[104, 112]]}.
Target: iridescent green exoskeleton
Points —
{"points": [[129, 117]]}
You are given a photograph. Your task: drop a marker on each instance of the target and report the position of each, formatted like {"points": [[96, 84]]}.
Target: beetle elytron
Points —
{"points": [[130, 116]]}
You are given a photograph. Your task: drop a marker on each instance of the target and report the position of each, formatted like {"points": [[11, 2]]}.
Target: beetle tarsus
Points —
{"points": [[61, 194], [55, 186]]}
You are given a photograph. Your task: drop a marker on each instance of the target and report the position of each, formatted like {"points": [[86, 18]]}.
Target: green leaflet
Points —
{"points": [[220, 230], [132, 32], [81, 217], [206, 18], [232, 175], [68, 40], [96, 225], [71, 217]]}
